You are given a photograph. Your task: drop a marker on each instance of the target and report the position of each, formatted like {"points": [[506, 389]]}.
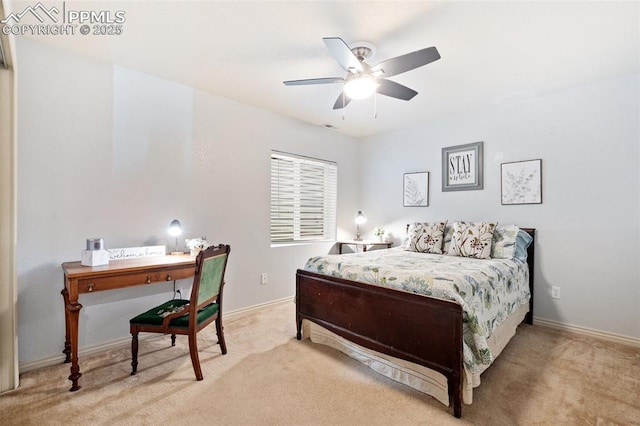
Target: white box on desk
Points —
{"points": [[94, 257]]}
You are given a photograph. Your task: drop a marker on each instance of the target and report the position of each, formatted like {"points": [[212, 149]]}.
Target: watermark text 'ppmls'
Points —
{"points": [[40, 20]]}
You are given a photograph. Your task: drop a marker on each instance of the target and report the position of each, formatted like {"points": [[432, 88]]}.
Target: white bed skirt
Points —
{"points": [[414, 375]]}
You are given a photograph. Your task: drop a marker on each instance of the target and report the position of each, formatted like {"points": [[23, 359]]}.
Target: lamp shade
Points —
{"points": [[360, 218], [175, 228]]}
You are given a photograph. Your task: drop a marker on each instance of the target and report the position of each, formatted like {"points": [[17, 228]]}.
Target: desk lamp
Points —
{"points": [[175, 229], [360, 219]]}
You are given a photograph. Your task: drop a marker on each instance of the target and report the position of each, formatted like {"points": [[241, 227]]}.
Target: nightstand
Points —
{"points": [[365, 244]]}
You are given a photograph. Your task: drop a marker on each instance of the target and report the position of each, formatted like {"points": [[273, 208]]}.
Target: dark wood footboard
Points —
{"points": [[416, 328], [388, 321]]}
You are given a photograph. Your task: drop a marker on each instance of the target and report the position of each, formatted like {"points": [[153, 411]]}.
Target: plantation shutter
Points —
{"points": [[303, 198]]}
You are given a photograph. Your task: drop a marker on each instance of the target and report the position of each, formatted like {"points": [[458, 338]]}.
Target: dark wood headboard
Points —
{"points": [[530, 262]]}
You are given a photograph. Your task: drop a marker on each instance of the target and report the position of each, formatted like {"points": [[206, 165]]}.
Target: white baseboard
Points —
{"points": [[258, 307], [117, 344], [612, 337]]}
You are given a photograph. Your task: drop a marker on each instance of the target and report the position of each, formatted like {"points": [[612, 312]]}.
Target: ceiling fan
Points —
{"points": [[363, 80]]}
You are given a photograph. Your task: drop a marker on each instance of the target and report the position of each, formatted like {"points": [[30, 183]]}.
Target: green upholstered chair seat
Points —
{"points": [[156, 315]]}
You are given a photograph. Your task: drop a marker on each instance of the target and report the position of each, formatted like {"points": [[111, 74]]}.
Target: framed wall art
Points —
{"points": [[521, 182], [462, 167], [416, 189]]}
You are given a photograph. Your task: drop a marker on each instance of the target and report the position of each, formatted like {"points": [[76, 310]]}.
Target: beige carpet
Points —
{"points": [[269, 378]]}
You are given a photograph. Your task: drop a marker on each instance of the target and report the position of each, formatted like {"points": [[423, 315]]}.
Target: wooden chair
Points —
{"points": [[188, 317]]}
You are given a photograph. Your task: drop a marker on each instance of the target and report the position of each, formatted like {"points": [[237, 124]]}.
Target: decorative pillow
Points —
{"points": [[523, 240], [406, 241], [426, 237], [503, 245], [448, 234], [472, 239]]}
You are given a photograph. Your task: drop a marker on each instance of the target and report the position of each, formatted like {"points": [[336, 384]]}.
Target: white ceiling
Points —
{"points": [[492, 52]]}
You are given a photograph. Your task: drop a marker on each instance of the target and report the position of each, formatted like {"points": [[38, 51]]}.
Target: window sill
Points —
{"points": [[300, 243]]}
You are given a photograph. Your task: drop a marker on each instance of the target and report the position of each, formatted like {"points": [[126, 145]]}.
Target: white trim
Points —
{"points": [[258, 307], [8, 287], [59, 359], [612, 337], [118, 344]]}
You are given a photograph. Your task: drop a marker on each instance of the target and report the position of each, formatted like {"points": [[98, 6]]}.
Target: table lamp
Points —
{"points": [[360, 219], [175, 229]]}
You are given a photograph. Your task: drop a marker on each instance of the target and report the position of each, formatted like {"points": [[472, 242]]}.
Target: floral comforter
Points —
{"points": [[489, 290]]}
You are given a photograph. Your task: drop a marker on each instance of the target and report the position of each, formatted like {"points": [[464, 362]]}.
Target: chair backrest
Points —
{"points": [[208, 282]]}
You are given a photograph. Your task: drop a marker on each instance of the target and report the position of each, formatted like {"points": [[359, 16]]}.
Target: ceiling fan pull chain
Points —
{"points": [[375, 104], [343, 105]]}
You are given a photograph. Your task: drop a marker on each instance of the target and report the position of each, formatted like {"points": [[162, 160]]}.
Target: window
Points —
{"points": [[303, 198]]}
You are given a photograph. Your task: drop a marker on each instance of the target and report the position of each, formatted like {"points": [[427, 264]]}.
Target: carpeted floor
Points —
{"points": [[268, 378]]}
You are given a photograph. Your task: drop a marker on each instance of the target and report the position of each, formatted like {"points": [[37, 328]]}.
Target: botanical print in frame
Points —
{"points": [[416, 189], [521, 182], [462, 167]]}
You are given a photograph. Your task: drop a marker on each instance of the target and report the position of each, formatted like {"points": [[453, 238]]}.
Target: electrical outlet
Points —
{"points": [[555, 292], [264, 278]]}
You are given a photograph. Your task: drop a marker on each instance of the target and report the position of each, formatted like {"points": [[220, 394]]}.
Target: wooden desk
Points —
{"points": [[364, 244], [80, 279]]}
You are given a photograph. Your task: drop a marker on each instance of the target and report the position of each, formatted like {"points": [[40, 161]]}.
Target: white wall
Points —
{"points": [[109, 152], [588, 239]]}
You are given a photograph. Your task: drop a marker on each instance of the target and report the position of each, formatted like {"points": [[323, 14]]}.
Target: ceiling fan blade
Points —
{"points": [[342, 101], [395, 90], [327, 80], [406, 62], [343, 54]]}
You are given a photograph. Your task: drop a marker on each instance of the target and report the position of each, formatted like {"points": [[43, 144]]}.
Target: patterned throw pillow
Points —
{"points": [[504, 242], [426, 237], [472, 239]]}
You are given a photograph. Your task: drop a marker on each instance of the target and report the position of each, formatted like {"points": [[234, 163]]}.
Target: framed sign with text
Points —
{"points": [[462, 167]]}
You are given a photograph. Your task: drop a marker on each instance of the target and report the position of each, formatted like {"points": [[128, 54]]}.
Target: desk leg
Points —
{"points": [[67, 334], [73, 313]]}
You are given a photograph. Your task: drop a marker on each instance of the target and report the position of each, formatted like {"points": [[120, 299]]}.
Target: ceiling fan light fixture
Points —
{"points": [[360, 87], [363, 80]]}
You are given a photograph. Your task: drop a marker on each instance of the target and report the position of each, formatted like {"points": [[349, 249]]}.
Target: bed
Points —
{"points": [[408, 336]]}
